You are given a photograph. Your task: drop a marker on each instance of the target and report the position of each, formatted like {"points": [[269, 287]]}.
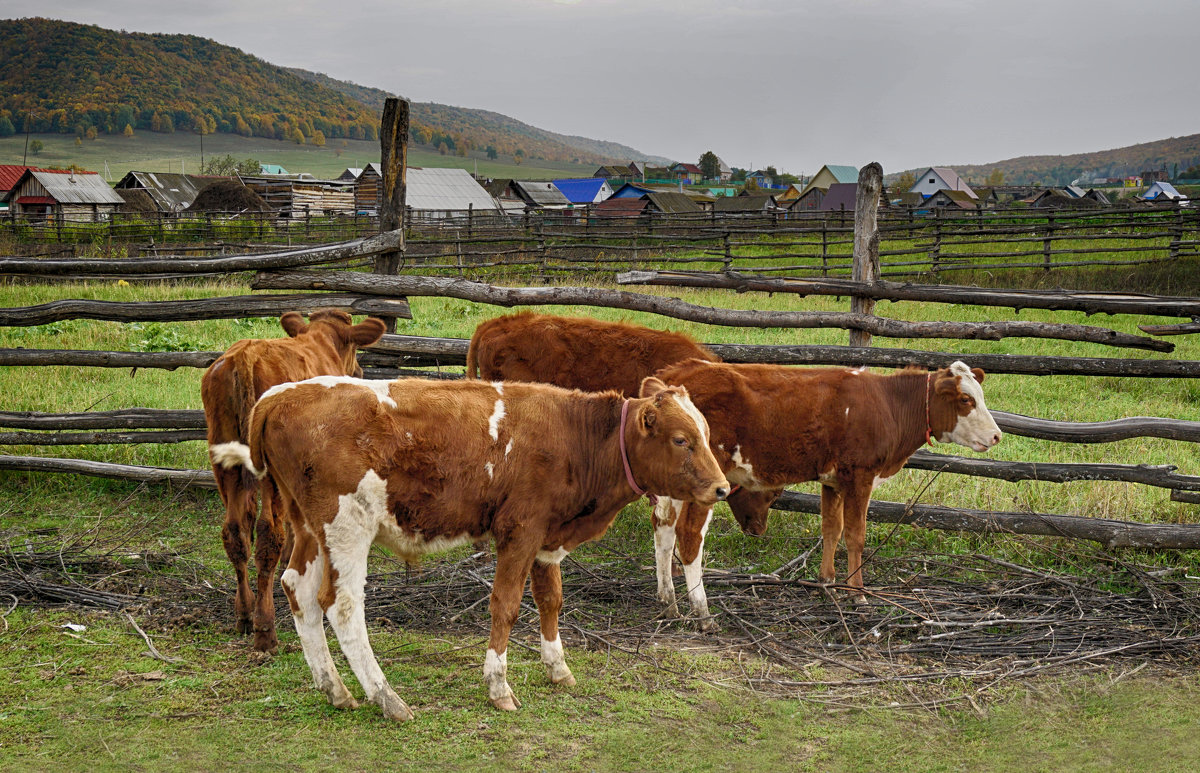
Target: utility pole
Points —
{"points": [[28, 123]]}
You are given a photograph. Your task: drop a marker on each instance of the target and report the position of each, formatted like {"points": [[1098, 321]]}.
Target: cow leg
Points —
{"points": [[664, 517], [547, 593], [268, 546], [831, 532], [512, 567], [858, 498], [301, 581], [240, 507], [348, 540], [690, 530]]}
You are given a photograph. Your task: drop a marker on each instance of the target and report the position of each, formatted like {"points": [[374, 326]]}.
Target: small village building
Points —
{"points": [[506, 196], [807, 202], [351, 174], [940, 178], [1098, 196], [637, 168], [763, 179], [1058, 198], [302, 195], [631, 191], [271, 169], [790, 194], [9, 174], [62, 197], [840, 198], [584, 190], [830, 174], [610, 172], [648, 203], [760, 203], [1162, 191], [946, 199], [688, 173], [439, 193], [726, 173], [171, 192], [988, 198], [540, 195]]}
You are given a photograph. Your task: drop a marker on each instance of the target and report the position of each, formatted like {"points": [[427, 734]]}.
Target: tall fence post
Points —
{"points": [[1047, 243], [393, 147], [935, 252], [824, 246], [1176, 234], [728, 252], [866, 242]]}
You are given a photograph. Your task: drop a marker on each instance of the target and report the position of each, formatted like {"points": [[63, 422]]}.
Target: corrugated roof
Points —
{"points": [[581, 190], [951, 178], [10, 173], [445, 189], [1162, 189], [621, 207], [170, 191], [541, 193], [75, 188], [843, 173], [673, 201]]}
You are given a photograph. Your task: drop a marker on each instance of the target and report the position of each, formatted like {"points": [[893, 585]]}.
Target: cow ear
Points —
{"points": [[293, 324], [651, 386], [978, 374], [648, 419], [368, 331]]}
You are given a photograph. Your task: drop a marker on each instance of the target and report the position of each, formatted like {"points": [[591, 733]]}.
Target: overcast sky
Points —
{"points": [[793, 83]]}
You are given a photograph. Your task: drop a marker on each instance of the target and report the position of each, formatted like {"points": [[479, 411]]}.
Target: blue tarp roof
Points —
{"points": [[580, 190]]}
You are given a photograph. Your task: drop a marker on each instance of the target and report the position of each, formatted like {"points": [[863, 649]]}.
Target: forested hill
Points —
{"points": [[1176, 155], [86, 80], [483, 127]]}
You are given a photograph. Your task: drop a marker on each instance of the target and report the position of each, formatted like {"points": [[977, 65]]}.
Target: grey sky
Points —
{"points": [[794, 83]]}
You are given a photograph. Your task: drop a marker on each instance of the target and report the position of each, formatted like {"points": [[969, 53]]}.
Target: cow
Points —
{"points": [[849, 429], [575, 352], [326, 345], [420, 465]]}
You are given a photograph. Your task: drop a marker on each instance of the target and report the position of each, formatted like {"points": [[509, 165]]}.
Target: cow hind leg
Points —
{"points": [[240, 507], [302, 582], [831, 532], [547, 593], [858, 500], [268, 548], [690, 530], [665, 517]]}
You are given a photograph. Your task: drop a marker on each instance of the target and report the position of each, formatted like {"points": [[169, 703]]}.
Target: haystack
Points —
{"points": [[228, 196]]}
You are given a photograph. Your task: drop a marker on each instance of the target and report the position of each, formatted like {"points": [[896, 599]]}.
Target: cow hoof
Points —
{"points": [[243, 625], [393, 708], [670, 610], [709, 625], [266, 641], [344, 702], [564, 678], [507, 703]]}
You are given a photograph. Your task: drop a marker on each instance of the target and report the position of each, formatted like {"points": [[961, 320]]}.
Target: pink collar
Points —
{"points": [[625, 455]]}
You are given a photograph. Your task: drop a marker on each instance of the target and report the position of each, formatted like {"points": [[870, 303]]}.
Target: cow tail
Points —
{"points": [[257, 457]]}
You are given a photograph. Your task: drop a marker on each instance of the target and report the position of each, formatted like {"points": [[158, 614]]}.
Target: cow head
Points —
{"points": [[336, 325], [750, 508], [957, 413], [667, 437]]}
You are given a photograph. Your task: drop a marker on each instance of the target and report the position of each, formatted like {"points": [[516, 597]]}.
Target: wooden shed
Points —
{"points": [[62, 196], [299, 196]]}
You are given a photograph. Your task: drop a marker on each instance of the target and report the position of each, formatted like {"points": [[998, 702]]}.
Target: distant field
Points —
{"points": [[151, 152]]}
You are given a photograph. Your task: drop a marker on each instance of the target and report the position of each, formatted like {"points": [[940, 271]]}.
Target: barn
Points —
{"points": [[62, 196]]}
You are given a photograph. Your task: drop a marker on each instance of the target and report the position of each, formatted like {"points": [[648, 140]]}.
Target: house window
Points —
{"points": [[930, 179]]}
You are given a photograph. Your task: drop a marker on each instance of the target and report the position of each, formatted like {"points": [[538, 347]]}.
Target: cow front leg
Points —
{"points": [[547, 593], [690, 530], [857, 500], [664, 517], [512, 567], [348, 540], [831, 532], [240, 508], [302, 582]]}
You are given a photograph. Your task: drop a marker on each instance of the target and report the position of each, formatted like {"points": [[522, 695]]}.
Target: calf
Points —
{"points": [[420, 466], [574, 352], [849, 429], [326, 345]]}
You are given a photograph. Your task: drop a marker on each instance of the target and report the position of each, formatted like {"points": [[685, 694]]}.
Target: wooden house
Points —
{"points": [[763, 179], [62, 196], [745, 204], [302, 196], [946, 199], [807, 202], [940, 178], [829, 174], [687, 172], [610, 172]]}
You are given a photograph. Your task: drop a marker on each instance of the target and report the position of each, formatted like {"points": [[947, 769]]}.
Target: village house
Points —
{"points": [[829, 174], [688, 173], [1162, 191], [62, 196], [302, 195], [948, 199], [584, 190], [439, 193], [753, 203], [940, 178]]}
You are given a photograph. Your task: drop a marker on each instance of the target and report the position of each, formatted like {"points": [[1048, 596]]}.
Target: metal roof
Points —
{"points": [[744, 203], [672, 201], [170, 191], [1163, 189], [76, 188], [581, 190], [843, 173], [541, 193], [10, 173], [445, 189]]}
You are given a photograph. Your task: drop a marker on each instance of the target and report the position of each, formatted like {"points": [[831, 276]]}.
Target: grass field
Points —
{"points": [[155, 152], [94, 699]]}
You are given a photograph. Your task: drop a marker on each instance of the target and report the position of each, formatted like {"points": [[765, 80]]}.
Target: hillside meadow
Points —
{"points": [[97, 699]]}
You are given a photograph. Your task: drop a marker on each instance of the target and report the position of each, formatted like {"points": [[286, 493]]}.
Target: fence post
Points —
{"points": [[866, 242], [935, 251], [470, 219], [1176, 233], [1046, 243], [728, 251], [393, 146], [824, 246]]}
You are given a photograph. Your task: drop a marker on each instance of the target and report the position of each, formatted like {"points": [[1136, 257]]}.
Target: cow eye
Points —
{"points": [[965, 399], [679, 441]]}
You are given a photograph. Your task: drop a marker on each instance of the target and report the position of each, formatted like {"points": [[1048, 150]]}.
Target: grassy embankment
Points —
{"points": [[97, 701]]}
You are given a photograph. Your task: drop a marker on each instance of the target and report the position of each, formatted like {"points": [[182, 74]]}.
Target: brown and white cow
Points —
{"points": [[575, 352], [326, 345], [420, 466], [849, 429]]}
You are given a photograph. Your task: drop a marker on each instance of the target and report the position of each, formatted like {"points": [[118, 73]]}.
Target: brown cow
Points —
{"points": [[575, 352], [849, 429], [326, 345], [421, 465]]}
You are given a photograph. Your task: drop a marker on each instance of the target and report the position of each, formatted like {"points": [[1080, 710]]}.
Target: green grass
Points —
{"points": [[154, 152], [82, 704]]}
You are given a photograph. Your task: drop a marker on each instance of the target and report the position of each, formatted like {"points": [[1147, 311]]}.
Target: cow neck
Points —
{"points": [[601, 456], [625, 456], [913, 396]]}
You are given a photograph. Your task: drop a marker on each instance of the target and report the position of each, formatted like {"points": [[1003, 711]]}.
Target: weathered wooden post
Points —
{"points": [[866, 242], [1047, 243], [393, 147]]}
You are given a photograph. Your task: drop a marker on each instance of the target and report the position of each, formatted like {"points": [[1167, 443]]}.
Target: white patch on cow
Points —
{"points": [[554, 660], [508, 448], [847, 412], [348, 538], [380, 388], [977, 430], [494, 422], [666, 513], [742, 473], [691, 410], [310, 626], [878, 480], [495, 674], [693, 574], [552, 556], [829, 477], [499, 385], [488, 467]]}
